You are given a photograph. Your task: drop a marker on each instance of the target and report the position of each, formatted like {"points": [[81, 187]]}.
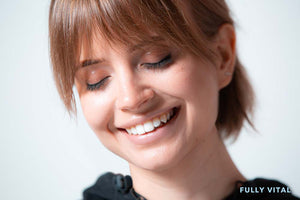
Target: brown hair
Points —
{"points": [[72, 24]]}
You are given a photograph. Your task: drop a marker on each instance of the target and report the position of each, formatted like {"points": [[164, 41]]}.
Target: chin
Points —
{"points": [[158, 159]]}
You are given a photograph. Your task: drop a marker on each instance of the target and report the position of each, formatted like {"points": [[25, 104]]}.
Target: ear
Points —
{"points": [[226, 53]]}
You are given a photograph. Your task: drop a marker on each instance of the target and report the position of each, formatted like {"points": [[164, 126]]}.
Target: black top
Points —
{"points": [[118, 187]]}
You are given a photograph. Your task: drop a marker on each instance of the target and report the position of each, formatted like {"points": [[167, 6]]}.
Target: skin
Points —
{"points": [[191, 162]]}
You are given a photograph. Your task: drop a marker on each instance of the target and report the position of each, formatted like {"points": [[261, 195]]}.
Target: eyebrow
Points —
{"points": [[154, 40], [88, 62]]}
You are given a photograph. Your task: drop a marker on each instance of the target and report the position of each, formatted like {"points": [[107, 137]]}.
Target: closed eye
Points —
{"points": [[97, 85], [160, 64]]}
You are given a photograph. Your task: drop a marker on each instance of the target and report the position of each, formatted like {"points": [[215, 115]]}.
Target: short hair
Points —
{"points": [[72, 24]]}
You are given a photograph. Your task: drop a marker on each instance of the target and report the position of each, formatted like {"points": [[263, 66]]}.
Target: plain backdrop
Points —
{"points": [[46, 155]]}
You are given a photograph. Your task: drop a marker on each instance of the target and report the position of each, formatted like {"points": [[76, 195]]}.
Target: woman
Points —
{"points": [[161, 86]]}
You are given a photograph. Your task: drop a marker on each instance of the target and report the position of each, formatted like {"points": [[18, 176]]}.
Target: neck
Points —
{"points": [[207, 172]]}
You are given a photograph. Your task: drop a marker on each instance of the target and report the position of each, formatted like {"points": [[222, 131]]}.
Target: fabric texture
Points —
{"points": [[111, 186]]}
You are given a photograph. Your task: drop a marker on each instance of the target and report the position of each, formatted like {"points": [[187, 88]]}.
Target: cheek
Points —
{"points": [[97, 109], [202, 92], [197, 85], [194, 82]]}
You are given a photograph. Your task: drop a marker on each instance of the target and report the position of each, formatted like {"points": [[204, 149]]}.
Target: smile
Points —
{"points": [[153, 124]]}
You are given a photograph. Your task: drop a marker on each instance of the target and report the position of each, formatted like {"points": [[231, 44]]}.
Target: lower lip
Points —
{"points": [[156, 135]]}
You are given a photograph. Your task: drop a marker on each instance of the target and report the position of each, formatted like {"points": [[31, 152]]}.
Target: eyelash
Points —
{"points": [[162, 63], [96, 86]]}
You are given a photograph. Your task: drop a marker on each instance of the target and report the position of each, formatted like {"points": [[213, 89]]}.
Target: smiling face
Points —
{"points": [[126, 96], [127, 91]]}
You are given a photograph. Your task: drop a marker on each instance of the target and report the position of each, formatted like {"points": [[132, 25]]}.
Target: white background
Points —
{"points": [[45, 155]]}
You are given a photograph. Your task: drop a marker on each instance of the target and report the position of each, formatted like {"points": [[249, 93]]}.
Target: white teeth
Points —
{"points": [[128, 131], [148, 126], [140, 129], [156, 122], [133, 131], [163, 118]]}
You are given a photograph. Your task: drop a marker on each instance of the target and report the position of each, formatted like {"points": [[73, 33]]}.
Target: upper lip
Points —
{"points": [[135, 119]]}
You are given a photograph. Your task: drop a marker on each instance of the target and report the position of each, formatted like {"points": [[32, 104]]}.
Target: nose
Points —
{"points": [[133, 95]]}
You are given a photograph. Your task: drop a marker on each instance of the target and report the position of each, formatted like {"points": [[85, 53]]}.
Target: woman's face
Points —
{"points": [[151, 104]]}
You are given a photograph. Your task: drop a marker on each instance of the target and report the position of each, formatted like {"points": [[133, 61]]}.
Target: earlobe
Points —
{"points": [[226, 52]]}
